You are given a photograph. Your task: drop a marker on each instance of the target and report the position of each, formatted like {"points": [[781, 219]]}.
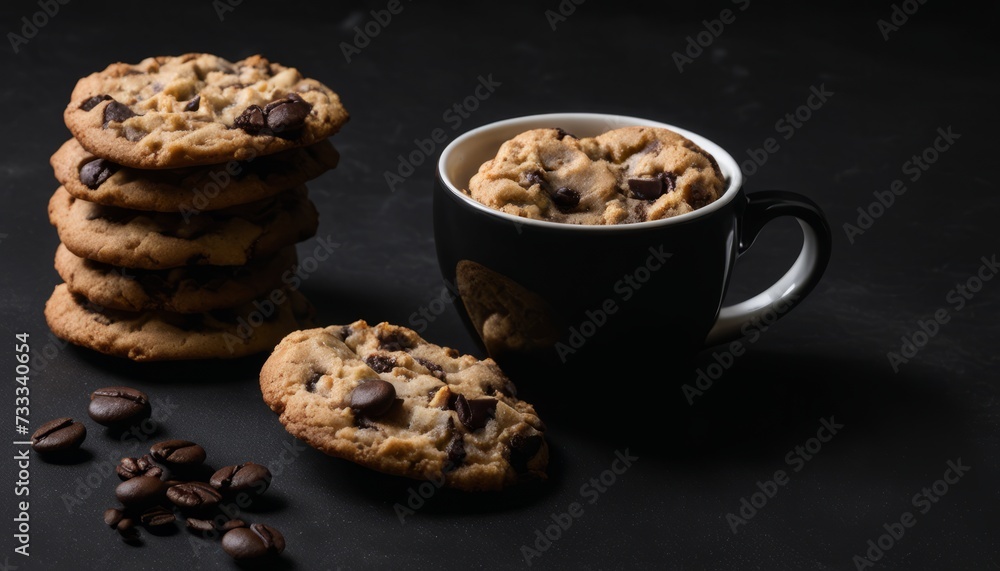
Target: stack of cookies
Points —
{"points": [[182, 198]]}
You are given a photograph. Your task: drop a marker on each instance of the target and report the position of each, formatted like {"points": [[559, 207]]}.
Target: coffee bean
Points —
{"points": [[232, 524], [475, 413], [116, 111], [127, 529], [59, 435], [141, 491], [194, 495], [94, 102], [381, 363], [252, 542], [646, 188], [566, 198], [251, 120], [247, 477], [194, 104], [373, 397], [287, 115], [94, 173], [130, 468], [119, 406], [202, 525], [522, 449], [178, 452], [157, 516], [112, 516]]}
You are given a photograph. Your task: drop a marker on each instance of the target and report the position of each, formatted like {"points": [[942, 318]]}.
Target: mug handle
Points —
{"points": [[798, 281]]}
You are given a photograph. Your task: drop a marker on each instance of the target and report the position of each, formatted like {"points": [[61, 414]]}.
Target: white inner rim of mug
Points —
{"points": [[462, 158]]}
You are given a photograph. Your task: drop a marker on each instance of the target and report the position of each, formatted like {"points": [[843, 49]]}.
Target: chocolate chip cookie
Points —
{"points": [[188, 289], [153, 240], [627, 175], [197, 109], [163, 336], [90, 178], [383, 397]]}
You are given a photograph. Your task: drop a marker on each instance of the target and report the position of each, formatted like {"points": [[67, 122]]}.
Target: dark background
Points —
{"points": [[828, 357]]}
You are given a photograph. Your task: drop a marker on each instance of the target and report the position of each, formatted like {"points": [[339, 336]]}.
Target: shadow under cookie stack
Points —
{"points": [[182, 198]]}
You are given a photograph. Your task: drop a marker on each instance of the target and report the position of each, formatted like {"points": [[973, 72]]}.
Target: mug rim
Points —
{"points": [[727, 164]]}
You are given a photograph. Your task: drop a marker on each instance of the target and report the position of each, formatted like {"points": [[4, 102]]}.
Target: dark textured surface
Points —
{"points": [[828, 357]]}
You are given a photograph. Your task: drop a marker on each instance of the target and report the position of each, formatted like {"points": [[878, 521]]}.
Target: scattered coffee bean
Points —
{"points": [[94, 102], [112, 516], [475, 413], [373, 397], [59, 435], [178, 452], [566, 198], [94, 173], [116, 111], [194, 104], [201, 525], [251, 120], [252, 542], [143, 466], [127, 529], [232, 524], [194, 495], [141, 491], [522, 450], [287, 115], [157, 516], [119, 406], [247, 477]]}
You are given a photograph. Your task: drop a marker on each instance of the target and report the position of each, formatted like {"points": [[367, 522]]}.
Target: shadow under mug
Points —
{"points": [[554, 298]]}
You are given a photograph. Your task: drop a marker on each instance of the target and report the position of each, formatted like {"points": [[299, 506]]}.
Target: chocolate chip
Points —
{"points": [[365, 422], [287, 115], [395, 341], [345, 332], [194, 495], [178, 452], [116, 111], [456, 453], [373, 397], [246, 477], [253, 542], [646, 188], [534, 178], [434, 368], [560, 134], [94, 102], [94, 173], [112, 516], [119, 406], [566, 198], [130, 468], [381, 363], [140, 492], [475, 413], [194, 104], [58, 436], [311, 383], [669, 181], [251, 120], [157, 516], [522, 450]]}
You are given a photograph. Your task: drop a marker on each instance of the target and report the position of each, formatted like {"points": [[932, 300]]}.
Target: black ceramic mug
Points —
{"points": [[562, 297]]}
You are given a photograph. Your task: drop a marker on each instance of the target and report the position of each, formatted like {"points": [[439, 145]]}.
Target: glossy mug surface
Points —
{"points": [[629, 298]]}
